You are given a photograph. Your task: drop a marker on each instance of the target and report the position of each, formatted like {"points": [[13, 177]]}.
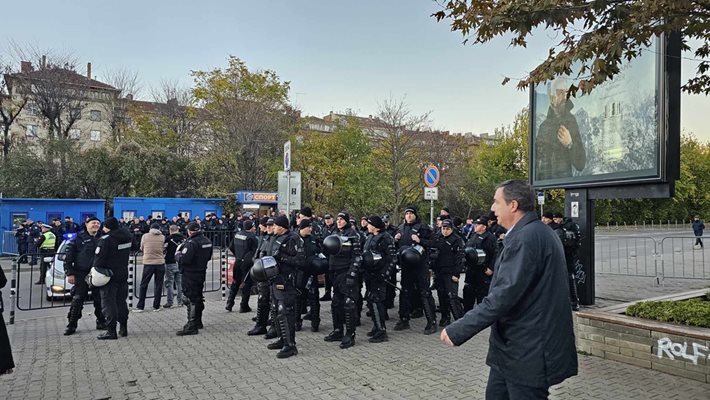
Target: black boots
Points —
{"points": [[262, 317], [350, 323], [430, 316], [123, 330], [286, 321], [334, 336], [110, 334], [233, 289], [379, 332], [401, 325], [71, 329], [191, 327], [573, 293]]}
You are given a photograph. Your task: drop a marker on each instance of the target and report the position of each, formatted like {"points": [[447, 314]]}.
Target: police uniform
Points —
{"points": [[77, 262], [307, 280], [46, 244], [477, 282], [196, 252], [377, 272], [571, 237], [264, 292], [112, 253], [243, 246], [447, 263]]}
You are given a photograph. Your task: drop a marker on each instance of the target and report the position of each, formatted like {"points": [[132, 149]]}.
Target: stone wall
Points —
{"points": [[669, 348]]}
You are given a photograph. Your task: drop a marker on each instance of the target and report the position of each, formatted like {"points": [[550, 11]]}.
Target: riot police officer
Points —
{"points": [[343, 248], [415, 274], [328, 229], [287, 250], [571, 236], [77, 263], [243, 246], [478, 271], [392, 285], [307, 278], [264, 298], [195, 253], [447, 256], [379, 256], [112, 253]]}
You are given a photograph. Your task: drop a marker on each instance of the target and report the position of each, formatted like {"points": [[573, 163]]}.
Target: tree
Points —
{"points": [[10, 107], [250, 118], [601, 35], [128, 84], [399, 150]]}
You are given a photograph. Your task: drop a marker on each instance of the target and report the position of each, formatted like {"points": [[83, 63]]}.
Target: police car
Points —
{"points": [[57, 287]]}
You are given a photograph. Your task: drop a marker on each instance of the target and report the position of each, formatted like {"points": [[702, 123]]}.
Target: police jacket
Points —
{"points": [[287, 250], [244, 246], [23, 235], [447, 253], [311, 248], [383, 244], [112, 252], [80, 253], [196, 253], [486, 242], [173, 241], [349, 256], [570, 236], [415, 228], [531, 339]]}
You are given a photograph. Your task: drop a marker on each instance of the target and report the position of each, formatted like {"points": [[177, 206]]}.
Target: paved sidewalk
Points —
{"points": [[222, 362]]}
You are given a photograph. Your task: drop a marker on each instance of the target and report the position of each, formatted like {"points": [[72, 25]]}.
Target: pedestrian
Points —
{"points": [[532, 344], [112, 253], [173, 279], [22, 235], [46, 244], [698, 228], [79, 258], [196, 252], [152, 245], [7, 364]]}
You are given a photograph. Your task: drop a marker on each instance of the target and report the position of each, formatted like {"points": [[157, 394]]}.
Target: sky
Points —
{"points": [[337, 55]]}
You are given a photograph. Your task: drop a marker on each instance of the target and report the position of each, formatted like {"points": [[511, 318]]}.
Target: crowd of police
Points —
{"points": [[283, 258]]}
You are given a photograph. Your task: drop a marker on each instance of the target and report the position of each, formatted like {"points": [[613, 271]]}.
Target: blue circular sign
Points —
{"points": [[431, 176]]}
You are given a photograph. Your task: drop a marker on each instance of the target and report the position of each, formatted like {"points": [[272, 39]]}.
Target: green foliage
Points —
{"points": [[601, 35], [693, 312]]}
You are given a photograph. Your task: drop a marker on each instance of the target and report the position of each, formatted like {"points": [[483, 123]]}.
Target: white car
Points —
{"points": [[55, 281]]}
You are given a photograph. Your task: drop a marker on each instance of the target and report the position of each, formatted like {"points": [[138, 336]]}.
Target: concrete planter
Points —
{"points": [[670, 348]]}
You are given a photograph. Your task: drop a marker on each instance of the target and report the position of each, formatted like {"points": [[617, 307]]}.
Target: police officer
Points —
{"points": [[392, 286], [77, 263], [307, 280], [479, 272], [447, 263], [22, 235], [46, 244], [328, 229], [377, 272], [571, 236], [196, 252], [287, 250], [264, 297], [243, 246], [112, 253], [344, 267], [415, 274]]}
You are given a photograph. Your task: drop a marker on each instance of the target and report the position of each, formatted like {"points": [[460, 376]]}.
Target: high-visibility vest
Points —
{"points": [[49, 240]]}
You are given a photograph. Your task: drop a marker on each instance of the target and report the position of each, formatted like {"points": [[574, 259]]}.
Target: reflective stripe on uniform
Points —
{"points": [[124, 246]]}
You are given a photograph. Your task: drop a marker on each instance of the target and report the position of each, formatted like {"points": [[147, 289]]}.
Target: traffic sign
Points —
{"points": [[431, 193], [290, 191], [287, 156], [431, 176], [540, 198]]}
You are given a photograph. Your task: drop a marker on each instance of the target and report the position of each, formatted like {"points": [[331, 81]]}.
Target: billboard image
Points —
{"points": [[613, 135]]}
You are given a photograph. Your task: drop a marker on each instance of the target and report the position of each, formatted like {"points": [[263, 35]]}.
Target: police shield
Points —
{"points": [[371, 259], [319, 264], [264, 269], [475, 256], [411, 256]]}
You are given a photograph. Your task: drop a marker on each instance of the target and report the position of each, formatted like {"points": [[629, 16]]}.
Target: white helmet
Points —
{"points": [[98, 277]]}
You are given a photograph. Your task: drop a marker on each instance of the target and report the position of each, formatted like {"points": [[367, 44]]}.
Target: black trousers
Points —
{"points": [[80, 292], [499, 388], [148, 272], [6, 361], [391, 291], [344, 303], [447, 291], [22, 251], [192, 286], [113, 302], [415, 283]]}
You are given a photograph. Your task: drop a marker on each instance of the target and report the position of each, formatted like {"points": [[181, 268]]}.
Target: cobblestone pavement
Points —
{"points": [[222, 362]]}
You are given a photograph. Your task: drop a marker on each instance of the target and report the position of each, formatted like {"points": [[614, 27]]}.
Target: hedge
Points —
{"points": [[693, 312]]}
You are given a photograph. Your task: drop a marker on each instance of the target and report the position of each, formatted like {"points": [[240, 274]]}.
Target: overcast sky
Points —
{"points": [[337, 55]]}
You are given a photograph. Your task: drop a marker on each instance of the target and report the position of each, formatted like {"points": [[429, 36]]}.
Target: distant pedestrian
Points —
{"points": [[172, 273], [698, 227], [152, 245]]}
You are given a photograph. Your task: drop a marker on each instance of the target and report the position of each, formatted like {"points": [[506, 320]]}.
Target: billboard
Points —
{"points": [[618, 134]]}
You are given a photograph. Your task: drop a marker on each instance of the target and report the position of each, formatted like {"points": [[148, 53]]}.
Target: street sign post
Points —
{"points": [[431, 193], [287, 168], [541, 200], [431, 179], [289, 184]]}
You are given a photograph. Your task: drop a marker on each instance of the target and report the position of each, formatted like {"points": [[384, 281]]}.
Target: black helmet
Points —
{"points": [[411, 256], [371, 259], [474, 256], [264, 269], [319, 264], [332, 245]]}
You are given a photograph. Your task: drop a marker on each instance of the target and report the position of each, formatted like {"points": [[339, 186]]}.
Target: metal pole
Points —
{"points": [[223, 259], [131, 272], [13, 289], [288, 194], [431, 214]]}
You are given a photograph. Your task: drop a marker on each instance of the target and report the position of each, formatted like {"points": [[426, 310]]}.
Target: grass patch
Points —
{"points": [[693, 312]]}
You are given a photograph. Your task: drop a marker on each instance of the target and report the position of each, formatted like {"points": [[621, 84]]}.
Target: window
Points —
{"points": [[75, 113], [17, 218], [32, 131], [95, 115], [96, 136], [75, 134], [128, 215], [185, 213], [54, 214], [33, 109], [157, 214]]}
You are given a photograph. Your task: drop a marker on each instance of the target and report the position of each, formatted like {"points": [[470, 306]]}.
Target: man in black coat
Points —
{"points": [[243, 247], [377, 272], [196, 252], [78, 260], [112, 253], [532, 345], [446, 248]]}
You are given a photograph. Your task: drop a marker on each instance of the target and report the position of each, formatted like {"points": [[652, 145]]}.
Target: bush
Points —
{"points": [[693, 312]]}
